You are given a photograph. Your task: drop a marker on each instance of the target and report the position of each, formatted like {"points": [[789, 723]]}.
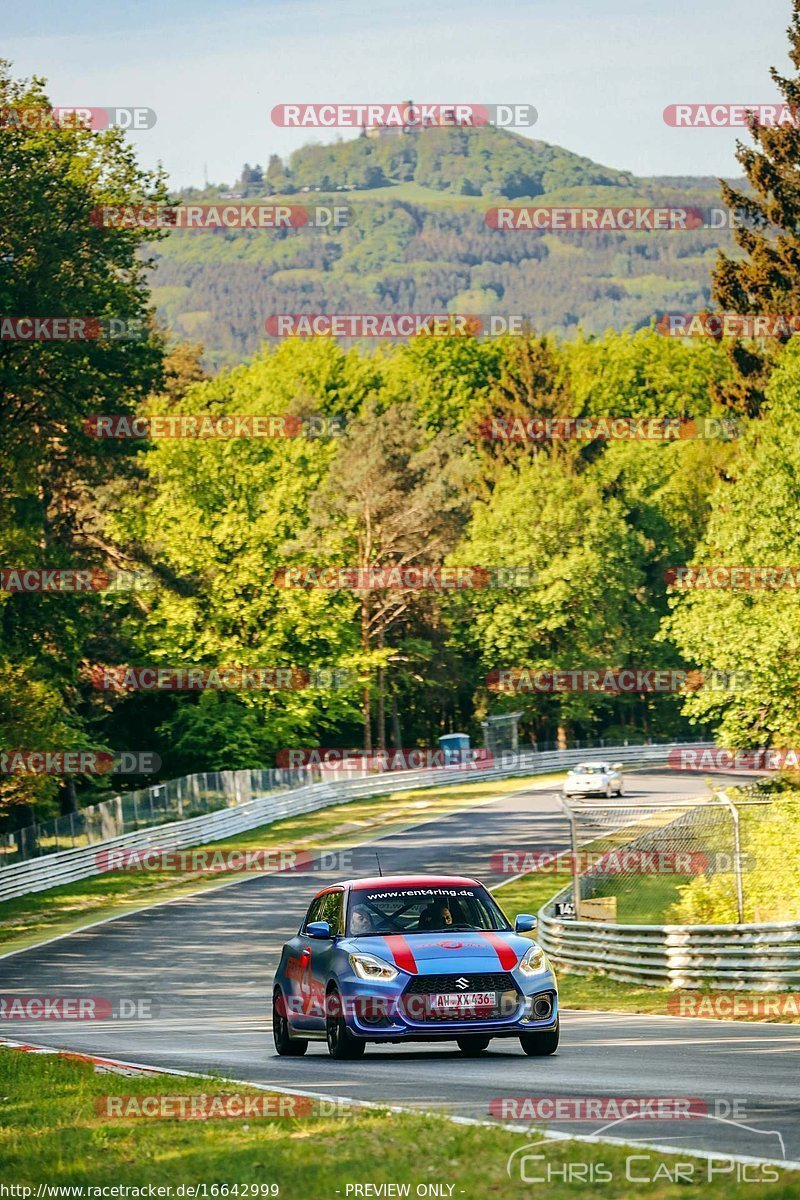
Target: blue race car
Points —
{"points": [[403, 958]]}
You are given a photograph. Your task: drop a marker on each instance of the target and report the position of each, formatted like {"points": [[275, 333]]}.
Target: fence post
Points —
{"points": [[573, 838], [737, 852]]}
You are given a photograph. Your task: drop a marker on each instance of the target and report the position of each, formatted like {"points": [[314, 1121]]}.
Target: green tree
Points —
{"points": [[752, 636], [395, 497], [218, 520], [573, 613], [58, 260], [766, 277]]}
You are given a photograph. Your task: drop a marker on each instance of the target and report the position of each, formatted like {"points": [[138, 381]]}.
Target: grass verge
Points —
{"points": [[33, 918], [52, 1134]]}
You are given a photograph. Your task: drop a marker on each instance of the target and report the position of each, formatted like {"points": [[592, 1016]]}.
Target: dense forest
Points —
{"points": [[388, 464]]}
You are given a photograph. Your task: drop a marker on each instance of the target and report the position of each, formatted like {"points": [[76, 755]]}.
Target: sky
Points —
{"points": [[599, 72]]}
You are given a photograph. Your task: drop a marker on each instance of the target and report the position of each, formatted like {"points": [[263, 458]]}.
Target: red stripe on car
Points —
{"points": [[402, 953], [507, 956]]}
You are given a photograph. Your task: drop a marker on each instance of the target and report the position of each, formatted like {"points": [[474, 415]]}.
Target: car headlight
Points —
{"points": [[369, 966], [533, 961]]}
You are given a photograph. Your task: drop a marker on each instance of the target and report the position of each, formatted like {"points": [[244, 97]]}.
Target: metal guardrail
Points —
{"points": [[761, 958], [68, 866]]}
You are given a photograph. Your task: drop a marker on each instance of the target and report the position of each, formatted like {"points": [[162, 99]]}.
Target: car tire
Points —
{"points": [[609, 792], [541, 1042], [473, 1045], [341, 1043], [285, 1045]]}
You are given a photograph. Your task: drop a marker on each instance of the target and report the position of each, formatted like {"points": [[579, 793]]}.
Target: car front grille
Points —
{"points": [[507, 997], [428, 985]]}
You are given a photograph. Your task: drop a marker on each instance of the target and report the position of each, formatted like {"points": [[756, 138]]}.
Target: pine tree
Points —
{"points": [[767, 229]]}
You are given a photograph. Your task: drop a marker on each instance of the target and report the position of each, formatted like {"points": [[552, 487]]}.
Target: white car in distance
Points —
{"points": [[594, 779]]}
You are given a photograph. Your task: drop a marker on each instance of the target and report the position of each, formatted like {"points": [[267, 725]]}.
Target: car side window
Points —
{"points": [[332, 911], [315, 911]]}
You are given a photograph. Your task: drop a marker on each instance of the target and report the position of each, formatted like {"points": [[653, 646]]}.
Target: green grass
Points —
{"points": [[30, 919], [51, 1132], [644, 899]]}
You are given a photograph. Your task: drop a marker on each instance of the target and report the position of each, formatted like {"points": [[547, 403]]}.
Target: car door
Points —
{"points": [[323, 951], [298, 969]]}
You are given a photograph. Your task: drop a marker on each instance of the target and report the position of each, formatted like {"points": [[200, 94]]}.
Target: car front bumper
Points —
{"points": [[391, 1017]]}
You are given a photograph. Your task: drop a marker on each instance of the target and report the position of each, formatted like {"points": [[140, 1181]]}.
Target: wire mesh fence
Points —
{"points": [[632, 863], [174, 800]]}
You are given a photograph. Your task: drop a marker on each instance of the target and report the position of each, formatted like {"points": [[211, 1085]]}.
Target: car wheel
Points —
{"points": [[472, 1045], [286, 1045], [540, 1043], [609, 792], [619, 790], [341, 1043]]}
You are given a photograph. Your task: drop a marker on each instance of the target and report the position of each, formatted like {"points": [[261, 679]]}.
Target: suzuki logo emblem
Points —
{"points": [[462, 983]]}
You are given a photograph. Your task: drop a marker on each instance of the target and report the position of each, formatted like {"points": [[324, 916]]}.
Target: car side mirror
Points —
{"points": [[319, 929], [525, 923]]}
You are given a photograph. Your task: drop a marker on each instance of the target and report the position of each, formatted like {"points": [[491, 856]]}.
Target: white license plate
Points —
{"points": [[461, 1000]]}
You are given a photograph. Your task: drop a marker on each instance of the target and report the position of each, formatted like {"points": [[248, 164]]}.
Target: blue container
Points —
{"points": [[455, 747]]}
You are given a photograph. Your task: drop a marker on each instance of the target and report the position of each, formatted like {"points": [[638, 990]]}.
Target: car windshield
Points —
{"points": [[422, 910], [590, 769]]}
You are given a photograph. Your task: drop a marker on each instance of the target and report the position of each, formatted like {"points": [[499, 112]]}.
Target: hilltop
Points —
{"points": [[418, 241]]}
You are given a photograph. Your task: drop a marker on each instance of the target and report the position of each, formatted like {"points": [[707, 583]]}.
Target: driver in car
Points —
{"points": [[436, 916], [361, 920]]}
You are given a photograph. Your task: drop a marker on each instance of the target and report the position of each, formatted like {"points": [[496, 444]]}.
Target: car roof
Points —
{"points": [[594, 763], [401, 881]]}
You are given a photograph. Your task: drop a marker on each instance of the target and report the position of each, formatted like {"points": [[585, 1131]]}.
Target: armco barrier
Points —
{"points": [[757, 958], [67, 866]]}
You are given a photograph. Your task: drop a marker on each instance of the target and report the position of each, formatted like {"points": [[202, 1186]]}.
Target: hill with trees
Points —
{"points": [[417, 241]]}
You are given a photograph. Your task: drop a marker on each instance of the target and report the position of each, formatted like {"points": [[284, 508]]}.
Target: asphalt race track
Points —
{"points": [[208, 962]]}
